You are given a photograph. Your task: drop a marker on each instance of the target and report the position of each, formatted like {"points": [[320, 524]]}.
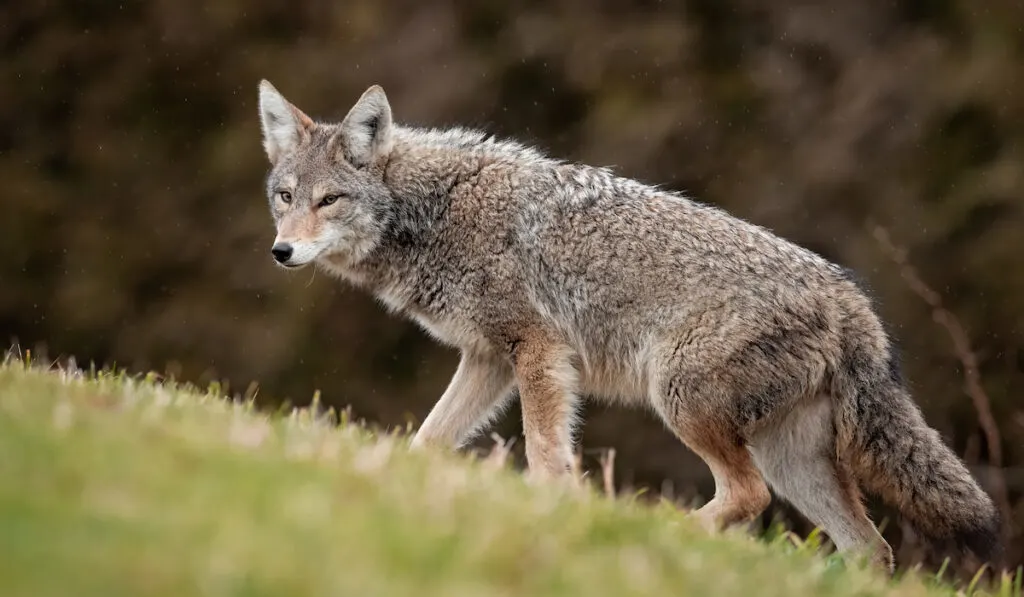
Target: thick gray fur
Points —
{"points": [[564, 280]]}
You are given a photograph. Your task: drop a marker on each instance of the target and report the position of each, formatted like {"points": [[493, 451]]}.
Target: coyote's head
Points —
{"points": [[326, 182]]}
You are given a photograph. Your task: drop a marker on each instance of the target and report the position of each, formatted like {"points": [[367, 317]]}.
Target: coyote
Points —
{"points": [[562, 280]]}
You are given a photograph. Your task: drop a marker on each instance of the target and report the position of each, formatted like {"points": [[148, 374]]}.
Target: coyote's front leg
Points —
{"points": [[547, 389], [480, 384]]}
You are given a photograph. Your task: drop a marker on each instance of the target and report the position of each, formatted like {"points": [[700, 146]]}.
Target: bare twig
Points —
{"points": [[964, 352]]}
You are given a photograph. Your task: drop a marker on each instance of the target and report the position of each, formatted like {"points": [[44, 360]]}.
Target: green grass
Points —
{"points": [[119, 486]]}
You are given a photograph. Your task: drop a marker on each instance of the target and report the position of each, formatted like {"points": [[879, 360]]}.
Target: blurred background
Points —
{"points": [[135, 232]]}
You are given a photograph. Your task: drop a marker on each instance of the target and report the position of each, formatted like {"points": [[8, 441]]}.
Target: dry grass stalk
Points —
{"points": [[500, 452], [608, 472]]}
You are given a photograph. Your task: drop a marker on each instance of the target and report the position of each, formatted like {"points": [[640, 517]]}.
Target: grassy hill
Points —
{"points": [[111, 485]]}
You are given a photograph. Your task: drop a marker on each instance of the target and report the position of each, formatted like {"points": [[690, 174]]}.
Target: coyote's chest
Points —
{"points": [[454, 333]]}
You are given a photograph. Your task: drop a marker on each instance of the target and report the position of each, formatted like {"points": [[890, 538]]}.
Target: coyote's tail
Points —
{"points": [[893, 453]]}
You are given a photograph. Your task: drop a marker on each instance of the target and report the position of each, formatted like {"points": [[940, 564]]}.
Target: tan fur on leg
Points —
{"points": [[547, 386]]}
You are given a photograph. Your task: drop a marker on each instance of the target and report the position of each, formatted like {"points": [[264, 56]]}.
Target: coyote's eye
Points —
{"points": [[284, 196], [329, 199]]}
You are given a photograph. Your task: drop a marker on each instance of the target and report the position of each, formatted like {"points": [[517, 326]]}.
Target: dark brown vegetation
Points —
{"points": [[134, 228]]}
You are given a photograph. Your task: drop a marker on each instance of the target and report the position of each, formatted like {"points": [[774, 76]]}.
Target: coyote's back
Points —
{"points": [[562, 280]]}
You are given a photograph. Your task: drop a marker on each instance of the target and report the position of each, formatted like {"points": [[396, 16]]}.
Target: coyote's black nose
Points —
{"points": [[282, 252]]}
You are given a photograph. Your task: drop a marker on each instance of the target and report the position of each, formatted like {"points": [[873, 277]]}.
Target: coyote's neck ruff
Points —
{"points": [[562, 280]]}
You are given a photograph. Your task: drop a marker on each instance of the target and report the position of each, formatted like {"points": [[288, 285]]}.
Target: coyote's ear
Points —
{"points": [[284, 125], [366, 131]]}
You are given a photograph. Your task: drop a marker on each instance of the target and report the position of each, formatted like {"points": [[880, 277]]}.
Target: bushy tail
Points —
{"points": [[895, 454]]}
